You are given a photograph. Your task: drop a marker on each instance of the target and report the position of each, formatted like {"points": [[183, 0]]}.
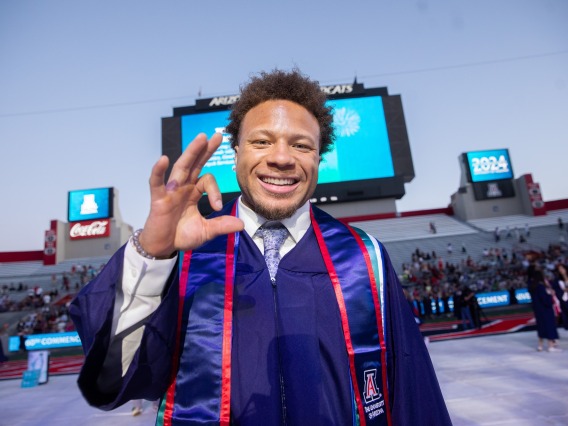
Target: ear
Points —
{"points": [[236, 152]]}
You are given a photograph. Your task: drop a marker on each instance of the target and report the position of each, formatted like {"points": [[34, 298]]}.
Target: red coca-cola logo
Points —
{"points": [[92, 229]]}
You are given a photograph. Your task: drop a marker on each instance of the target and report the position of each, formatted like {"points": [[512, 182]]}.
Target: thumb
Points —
{"points": [[223, 225]]}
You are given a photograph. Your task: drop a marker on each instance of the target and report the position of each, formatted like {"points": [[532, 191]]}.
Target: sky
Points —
{"points": [[84, 85]]}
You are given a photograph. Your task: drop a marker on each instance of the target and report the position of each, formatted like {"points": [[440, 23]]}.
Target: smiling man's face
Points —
{"points": [[277, 158]]}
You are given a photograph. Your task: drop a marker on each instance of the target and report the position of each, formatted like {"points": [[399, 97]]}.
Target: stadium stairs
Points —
{"points": [[12, 271], [35, 274], [402, 236]]}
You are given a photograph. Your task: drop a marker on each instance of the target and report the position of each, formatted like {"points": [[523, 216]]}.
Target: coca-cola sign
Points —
{"points": [[90, 229]]}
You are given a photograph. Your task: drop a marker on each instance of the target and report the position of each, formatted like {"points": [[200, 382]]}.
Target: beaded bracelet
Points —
{"points": [[138, 246]]}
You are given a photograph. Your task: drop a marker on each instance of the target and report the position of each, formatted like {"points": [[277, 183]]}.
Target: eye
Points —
{"points": [[303, 147], [260, 143]]}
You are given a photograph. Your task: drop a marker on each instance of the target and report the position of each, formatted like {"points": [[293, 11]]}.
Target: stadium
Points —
{"points": [[495, 226]]}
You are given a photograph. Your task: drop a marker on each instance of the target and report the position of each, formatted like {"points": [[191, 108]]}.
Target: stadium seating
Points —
{"points": [[401, 236]]}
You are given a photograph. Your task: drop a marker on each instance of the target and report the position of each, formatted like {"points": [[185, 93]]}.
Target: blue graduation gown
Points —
{"points": [[542, 304], [309, 352]]}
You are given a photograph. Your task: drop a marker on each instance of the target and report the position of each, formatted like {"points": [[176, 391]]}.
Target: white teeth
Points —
{"points": [[276, 181]]}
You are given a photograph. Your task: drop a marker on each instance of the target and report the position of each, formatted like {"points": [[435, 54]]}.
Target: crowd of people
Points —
{"points": [[437, 288], [37, 297], [51, 318], [45, 307]]}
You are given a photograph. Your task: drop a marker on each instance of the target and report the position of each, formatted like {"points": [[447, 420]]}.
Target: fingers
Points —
{"points": [[211, 228], [223, 225], [208, 184], [205, 155], [158, 173], [188, 167], [181, 168]]}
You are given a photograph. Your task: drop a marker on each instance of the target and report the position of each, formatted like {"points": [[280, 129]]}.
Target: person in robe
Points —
{"points": [[542, 300], [269, 311]]}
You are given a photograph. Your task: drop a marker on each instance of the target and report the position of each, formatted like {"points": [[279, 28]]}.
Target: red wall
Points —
{"points": [[556, 204], [21, 256]]}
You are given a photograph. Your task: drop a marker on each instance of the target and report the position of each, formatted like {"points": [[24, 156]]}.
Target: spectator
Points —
{"points": [[559, 283], [3, 343], [23, 339], [433, 229], [543, 307], [512, 295], [464, 307], [527, 230]]}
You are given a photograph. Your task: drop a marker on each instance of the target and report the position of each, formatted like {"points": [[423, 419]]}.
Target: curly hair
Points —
{"points": [[281, 85]]}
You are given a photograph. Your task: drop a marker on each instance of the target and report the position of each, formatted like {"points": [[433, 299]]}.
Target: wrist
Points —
{"points": [[138, 247], [142, 252]]}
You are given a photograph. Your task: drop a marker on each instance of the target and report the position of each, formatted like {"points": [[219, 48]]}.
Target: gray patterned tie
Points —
{"points": [[273, 235]]}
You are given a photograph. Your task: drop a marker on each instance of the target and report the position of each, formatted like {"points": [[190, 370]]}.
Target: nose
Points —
{"points": [[281, 154]]}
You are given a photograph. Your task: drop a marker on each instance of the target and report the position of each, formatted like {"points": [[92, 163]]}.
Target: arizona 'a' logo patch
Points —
{"points": [[371, 392]]}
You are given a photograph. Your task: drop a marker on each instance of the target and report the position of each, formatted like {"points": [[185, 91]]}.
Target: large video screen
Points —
{"points": [[90, 204], [361, 150], [488, 165], [370, 159]]}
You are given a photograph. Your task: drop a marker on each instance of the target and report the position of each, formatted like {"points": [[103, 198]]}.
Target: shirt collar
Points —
{"points": [[297, 224]]}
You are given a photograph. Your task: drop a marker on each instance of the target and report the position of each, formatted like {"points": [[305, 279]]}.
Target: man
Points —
{"points": [[315, 332]]}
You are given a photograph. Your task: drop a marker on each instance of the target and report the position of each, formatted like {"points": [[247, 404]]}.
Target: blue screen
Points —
{"points": [[489, 165], [89, 204], [221, 163], [45, 341], [361, 149]]}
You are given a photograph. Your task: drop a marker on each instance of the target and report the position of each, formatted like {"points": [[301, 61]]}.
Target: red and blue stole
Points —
{"points": [[200, 386]]}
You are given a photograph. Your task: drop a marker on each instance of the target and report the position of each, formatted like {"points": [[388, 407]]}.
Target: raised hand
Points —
{"points": [[174, 222]]}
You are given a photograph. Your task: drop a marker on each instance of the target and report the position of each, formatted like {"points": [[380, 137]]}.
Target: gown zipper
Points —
{"points": [[281, 376]]}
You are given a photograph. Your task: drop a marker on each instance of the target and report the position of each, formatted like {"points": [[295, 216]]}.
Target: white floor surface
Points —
{"points": [[493, 380]]}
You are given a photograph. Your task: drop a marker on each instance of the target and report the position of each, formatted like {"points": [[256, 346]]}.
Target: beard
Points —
{"points": [[271, 213], [269, 210]]}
